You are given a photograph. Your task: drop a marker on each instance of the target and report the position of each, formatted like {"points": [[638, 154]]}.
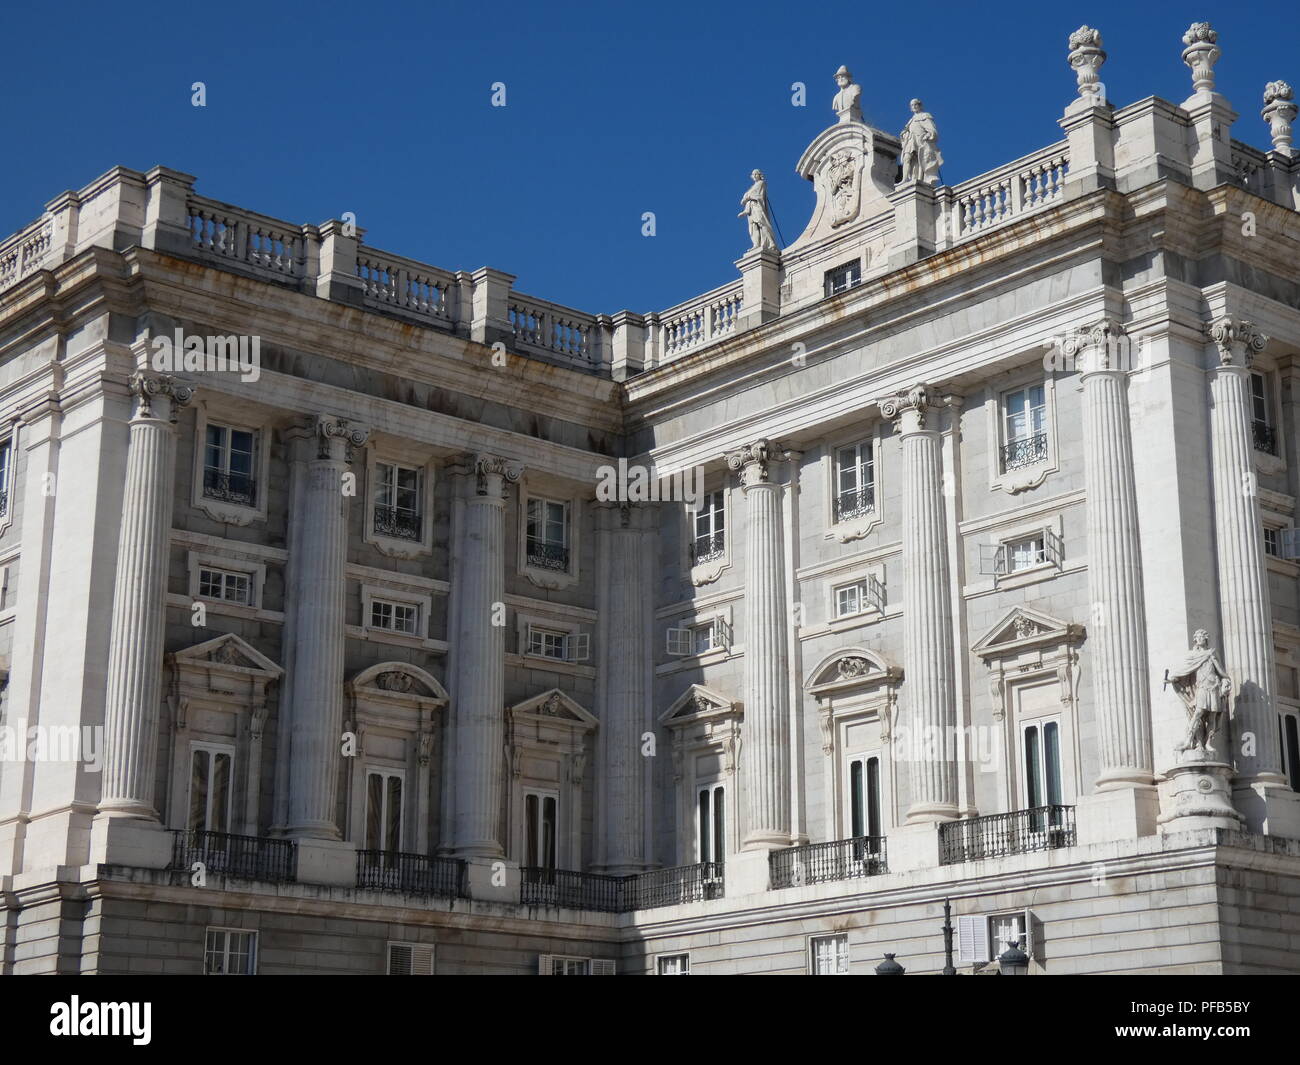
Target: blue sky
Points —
{"points": [[612, 110]]}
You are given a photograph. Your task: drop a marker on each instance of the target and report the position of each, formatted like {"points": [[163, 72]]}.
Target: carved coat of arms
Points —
{"points": [[845, 188]]}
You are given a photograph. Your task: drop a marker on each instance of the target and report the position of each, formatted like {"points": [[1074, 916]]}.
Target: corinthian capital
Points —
{"points": [[912, 409], [330, 429], [492, 471], [146, 387], [751, 461], [1238, 341]]}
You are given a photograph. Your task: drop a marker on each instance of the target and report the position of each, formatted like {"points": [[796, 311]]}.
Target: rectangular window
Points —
{"points": [[709, 541], [410, 959], [855, 481], [225, 585], [1025, 427], [395, 617], [228, 464], [228, 952], [547, 643], [1042, 766], [211, 776], [6, 456], [397, 501], [674, 965], [712, 823], [548, 534], [843, 278], [848, 600], [570, 966], [1289, 722], [541, 813], [1270, 541], [830, 955], [1003, 929], [864, 803], [1026, 553], [698, 639], [384, 810]]}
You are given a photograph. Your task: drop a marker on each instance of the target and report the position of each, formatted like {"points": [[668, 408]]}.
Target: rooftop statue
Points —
{"points": [[920, 139], [754, 208], [848, 101]]}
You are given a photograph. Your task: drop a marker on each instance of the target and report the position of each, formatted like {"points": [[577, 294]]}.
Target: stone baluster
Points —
{"points": [[318, 577], [134, 687], [765, 764], [479, 682], [928, 666]]}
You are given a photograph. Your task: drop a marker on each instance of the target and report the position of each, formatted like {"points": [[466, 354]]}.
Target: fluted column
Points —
{"points": [[134, 688], [624, 587], [765, 757], [1117, 642], [479, 683], [1246, 611], [928, 669], [318, 578]]}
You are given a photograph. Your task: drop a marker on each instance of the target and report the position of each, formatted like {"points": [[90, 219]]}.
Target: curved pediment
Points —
{"points": [[398, 679], [851, 667]]}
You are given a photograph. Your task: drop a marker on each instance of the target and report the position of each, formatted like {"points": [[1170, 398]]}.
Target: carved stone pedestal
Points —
{"points": [[1200, 797]]}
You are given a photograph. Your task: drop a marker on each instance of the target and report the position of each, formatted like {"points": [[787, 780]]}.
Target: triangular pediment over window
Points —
{"points": [[1022, 628], [556, 706], [225, 651], [697, 703]]}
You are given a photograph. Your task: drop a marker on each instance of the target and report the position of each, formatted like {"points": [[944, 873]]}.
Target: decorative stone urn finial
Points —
{"points": [[1086, 57], [1279, 112], [1201, 53]]}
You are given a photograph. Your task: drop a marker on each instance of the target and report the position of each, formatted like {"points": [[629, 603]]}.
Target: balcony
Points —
{"points": [[397, 523], [1042, 828], [707, 548], [1265, 437], [411, 874], [237, 488], [622, 894], [544, 555], [821, 863], [851, 505], [1026, 451], [246, 857]]}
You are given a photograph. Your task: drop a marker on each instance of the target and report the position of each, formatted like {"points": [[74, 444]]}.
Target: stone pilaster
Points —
{"points": [[1244, 602], [928, 669], [765, 761], [134, 686], [317, 581], [1117, 643], [624, 584], [479, 680]]}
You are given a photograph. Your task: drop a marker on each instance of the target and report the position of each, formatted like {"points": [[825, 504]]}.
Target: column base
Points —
{"points": [[1268, 809], [493, 880], [913, 847], [1119, 813], [483, 848], [928, 813], [765, 841], [1200, 796], [129, 840], [325, 831], [327, 861]]}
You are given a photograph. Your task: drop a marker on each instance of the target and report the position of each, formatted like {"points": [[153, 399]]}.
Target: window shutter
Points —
{"points": [[972, 940], [875, 592], [993, 559], [577, 646], [602, 966], [1288, 543], [546, 965], [679, 642], [410, 959], [722, 632], [1053, 546]]}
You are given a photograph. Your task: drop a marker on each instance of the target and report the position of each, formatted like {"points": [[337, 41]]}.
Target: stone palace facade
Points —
{"points": [[360, 616]]}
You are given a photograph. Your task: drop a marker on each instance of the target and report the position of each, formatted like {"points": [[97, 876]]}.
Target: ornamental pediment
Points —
{"points": [[558, 707], [398, 681], [852, 667], [1022, 628], [227, 650], [698, 703]]}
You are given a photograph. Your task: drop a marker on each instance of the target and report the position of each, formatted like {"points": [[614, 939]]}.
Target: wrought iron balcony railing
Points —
{"points": [[411, 874], [236, 488], [820, 863], [1025, 451], [707, 548], [1042, 828], [400, 524], [622, 894], [850, 505], [246, 857], [547, 555], [1265, 437], [4, 502]]}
